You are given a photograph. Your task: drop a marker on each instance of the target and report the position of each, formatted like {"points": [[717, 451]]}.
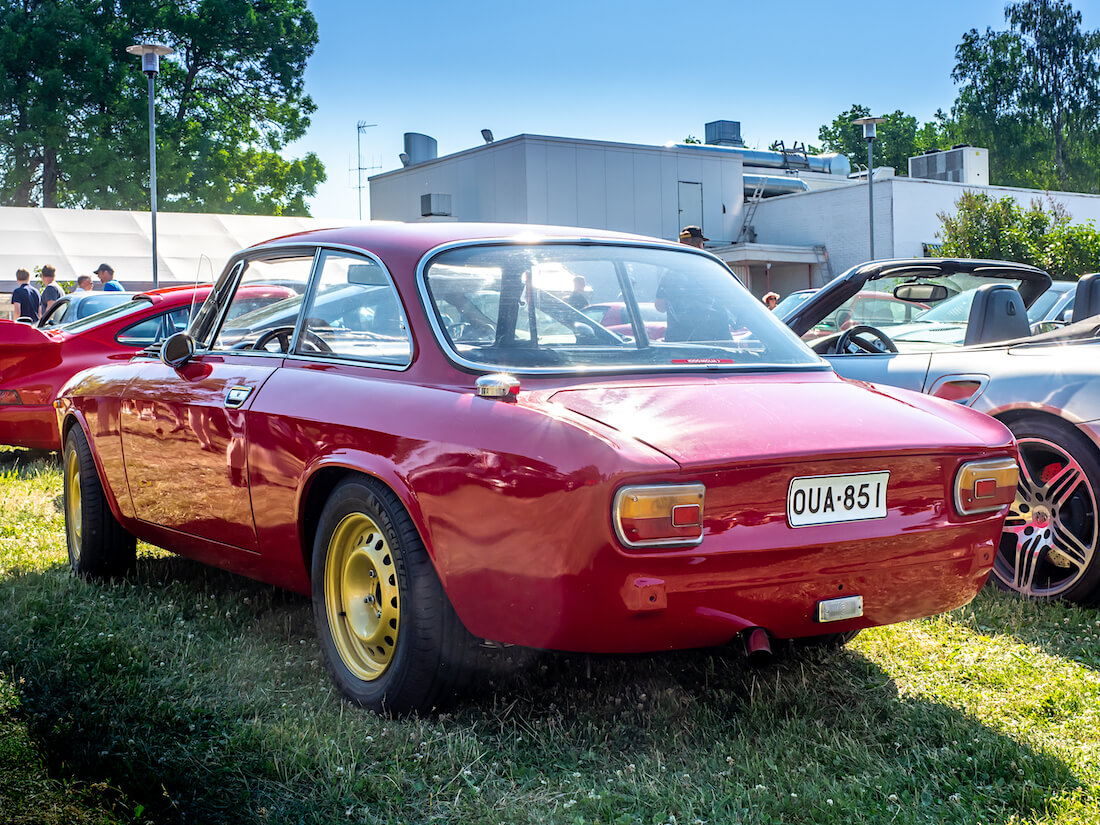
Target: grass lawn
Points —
{"points": [[190, 695]]}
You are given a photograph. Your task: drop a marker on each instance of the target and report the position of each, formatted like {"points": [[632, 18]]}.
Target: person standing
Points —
{"points": [[106, 274], [692, 236], [771, 300], [83, 284], [25, 296], [577, 299], [691, 313], [50, 291]]}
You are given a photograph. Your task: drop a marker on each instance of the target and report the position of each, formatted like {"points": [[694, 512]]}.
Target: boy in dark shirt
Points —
{"points": [[50, 291], [25, 296]]}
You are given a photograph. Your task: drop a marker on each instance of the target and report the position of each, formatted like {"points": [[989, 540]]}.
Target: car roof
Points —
{"points": [[419, 238]]}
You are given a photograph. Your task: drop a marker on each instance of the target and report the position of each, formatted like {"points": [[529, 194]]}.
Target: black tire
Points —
{"points": [[99, 547], [390, 637], [1049, 546]]}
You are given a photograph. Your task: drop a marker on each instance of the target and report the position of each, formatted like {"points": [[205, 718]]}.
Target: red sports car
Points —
{"points": [[35, 362], [440, 450]]}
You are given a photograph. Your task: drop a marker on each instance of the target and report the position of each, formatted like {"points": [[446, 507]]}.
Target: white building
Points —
{"points": [[774, 241]]}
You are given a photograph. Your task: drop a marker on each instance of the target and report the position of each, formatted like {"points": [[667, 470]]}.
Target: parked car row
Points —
{"points": [[414, 425]]}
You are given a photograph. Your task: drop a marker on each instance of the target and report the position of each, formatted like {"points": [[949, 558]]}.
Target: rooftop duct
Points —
{"points": [[420, 148]]}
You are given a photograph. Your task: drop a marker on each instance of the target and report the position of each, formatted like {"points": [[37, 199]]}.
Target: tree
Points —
{"points": [[1032, 92], [1001, 229], [73, 116], [896, 140]]}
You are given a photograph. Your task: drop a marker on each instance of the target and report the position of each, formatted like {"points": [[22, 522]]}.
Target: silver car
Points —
{"points": [[974, 345]]}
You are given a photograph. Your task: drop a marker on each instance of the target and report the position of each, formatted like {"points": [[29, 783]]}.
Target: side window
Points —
{"points": [[355, 313], [263, 311], [57, 314], [154, 329]]}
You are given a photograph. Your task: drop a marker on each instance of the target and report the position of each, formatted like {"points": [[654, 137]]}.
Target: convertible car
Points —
{"points": [[446, 454], [977, 348]]}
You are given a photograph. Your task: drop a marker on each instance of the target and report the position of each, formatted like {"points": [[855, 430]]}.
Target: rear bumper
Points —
{"points": [[29, 425], [633, 604]]}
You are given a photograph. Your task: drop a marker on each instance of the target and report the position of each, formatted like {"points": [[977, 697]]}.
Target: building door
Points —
{"points": [[691, 204]]}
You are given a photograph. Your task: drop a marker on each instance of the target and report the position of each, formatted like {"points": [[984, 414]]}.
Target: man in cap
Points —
{"points": [[693, 236], [106, 274], [691, 313]]}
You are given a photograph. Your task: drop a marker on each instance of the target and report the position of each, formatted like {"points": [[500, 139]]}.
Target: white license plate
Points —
{"points": [[833, 499]]}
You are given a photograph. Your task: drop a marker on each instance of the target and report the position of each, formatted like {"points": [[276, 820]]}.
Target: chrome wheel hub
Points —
{"points": [[1050, 534]]}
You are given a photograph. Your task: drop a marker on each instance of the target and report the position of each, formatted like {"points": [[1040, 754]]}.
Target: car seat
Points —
{"points": [[997, 314], [1086, 302]]}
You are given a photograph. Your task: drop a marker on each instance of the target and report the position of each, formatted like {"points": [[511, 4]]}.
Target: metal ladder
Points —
{"points": [[822, 255], [750, 210]]}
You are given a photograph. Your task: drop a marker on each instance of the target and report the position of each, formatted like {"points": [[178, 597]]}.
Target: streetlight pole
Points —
{"points": [[868, 124], [150, 54]]}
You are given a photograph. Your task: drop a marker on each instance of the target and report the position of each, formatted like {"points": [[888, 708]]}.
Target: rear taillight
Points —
{"points": [[659, 515], [985, 486], [9, 397]]}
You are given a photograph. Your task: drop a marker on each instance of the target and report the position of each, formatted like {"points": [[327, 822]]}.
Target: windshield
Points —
{"points": [[135, 304], [524, 308], [940, 324]]}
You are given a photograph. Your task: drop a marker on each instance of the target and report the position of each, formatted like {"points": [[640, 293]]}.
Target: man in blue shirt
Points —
{"points": [[107, 276], [25, 296]]}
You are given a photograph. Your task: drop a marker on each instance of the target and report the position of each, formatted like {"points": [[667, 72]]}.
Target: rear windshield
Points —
{"points": [[570, 307]]}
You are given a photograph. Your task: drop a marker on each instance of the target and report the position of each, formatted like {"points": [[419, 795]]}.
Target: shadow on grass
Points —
{"points": [[198, 695], [23, 462], [1058, 629]]}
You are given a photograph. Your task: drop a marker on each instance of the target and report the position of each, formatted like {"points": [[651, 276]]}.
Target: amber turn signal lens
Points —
{"points": [[659, 515], [985, 486]]}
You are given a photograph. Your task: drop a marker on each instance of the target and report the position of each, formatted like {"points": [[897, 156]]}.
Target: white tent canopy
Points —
{"points": [[76, 241]]}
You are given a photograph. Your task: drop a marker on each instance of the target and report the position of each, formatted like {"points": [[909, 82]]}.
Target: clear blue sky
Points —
{"points": [[636, 72]]}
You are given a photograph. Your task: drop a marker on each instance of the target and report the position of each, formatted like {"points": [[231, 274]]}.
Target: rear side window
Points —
{"points": [[354, 313], [154, 329]]}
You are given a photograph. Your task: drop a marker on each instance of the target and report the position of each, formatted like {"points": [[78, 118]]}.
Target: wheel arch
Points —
{"points": [[1011, 416], [326, 476]]}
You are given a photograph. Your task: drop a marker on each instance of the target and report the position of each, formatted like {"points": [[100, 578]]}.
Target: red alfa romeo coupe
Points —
{"points": [[433, 443]]}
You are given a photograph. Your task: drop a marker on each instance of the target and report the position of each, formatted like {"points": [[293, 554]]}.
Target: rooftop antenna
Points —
{"points": [[361, 127]]}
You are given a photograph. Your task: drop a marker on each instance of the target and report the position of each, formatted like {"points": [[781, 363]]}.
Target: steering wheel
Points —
{"points": [[863, 338], [283, 334]]}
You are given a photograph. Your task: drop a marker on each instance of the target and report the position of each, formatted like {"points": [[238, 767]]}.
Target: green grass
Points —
{"points": [[190, 695]]}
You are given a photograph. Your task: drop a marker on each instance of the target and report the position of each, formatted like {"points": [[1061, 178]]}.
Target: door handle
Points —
{"points": [[237, 396]]}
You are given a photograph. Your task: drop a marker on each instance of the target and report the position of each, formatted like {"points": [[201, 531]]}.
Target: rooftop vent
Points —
{"points": [[420, 148], [724, 133]]}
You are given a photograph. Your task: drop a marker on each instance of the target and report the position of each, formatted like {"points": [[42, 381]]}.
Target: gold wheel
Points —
{"points": [[73, 510], [361, 596]]}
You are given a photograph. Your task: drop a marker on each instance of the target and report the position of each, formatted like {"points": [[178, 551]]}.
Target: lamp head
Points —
{"points": [[150, 54], [868, 124]]}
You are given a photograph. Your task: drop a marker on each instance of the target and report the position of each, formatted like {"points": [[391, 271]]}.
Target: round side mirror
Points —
{"points": [[177, 350]]}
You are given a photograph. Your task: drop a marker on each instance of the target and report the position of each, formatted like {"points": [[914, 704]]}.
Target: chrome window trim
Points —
{"points": [[582, 240]]}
